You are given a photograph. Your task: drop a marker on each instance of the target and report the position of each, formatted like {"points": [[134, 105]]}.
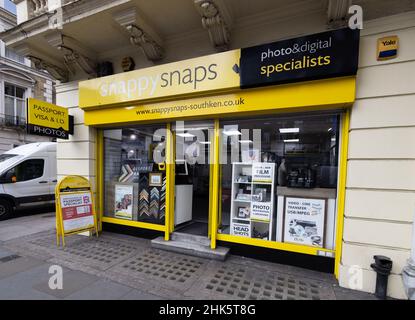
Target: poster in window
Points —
{"points": [[263, 172], [261, 211], [304, 221], [124, 201], [241, 229]]}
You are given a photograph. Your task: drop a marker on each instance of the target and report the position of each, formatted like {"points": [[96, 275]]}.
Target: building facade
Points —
{"points": [[348, 146], [18, 81]]}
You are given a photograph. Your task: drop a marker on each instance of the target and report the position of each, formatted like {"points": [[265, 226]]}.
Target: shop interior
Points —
{"points": [[192, 172]]}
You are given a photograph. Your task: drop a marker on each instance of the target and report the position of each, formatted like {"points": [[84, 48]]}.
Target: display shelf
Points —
{"points": [[257, 208], [241, 219], [260, 221], [246, 201]]}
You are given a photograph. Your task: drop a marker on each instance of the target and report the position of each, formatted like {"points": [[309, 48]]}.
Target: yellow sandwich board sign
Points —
{"points": [[75, 211], [47, 119]]}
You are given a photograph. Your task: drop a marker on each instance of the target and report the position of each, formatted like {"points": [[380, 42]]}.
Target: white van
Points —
{"points": [[27, 177]]}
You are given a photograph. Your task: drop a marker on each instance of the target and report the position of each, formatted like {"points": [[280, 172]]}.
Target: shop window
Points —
{"points": [[135, 183], [279, 179]]}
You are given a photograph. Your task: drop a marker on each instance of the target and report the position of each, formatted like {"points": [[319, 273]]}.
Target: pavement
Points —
{"points": [[121, 267]]}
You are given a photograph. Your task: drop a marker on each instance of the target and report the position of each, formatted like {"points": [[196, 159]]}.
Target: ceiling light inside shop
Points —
{"points": [[204, 142], [291, 140], [333, 139], [185, 135], [245, 141], [289, 130], [232, 132], [133, 137], [330, 129]]}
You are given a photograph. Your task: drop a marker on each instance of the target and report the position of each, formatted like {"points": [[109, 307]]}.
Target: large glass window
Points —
{"points": [[14, 104], [279, 178], [135, 180]]}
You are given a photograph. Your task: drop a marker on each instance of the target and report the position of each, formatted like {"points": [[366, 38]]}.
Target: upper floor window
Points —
{"points": [[13, 55], [14, 104], [10, 6]]}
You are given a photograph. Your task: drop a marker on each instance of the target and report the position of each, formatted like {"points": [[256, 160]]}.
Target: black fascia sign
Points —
{"points": [[318, 56]]}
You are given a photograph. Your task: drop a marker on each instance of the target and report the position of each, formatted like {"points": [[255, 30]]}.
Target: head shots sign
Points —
{"points": [[46, 119]]}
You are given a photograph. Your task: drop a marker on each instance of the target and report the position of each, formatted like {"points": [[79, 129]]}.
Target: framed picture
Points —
{"points": [[243, 212], [155, 179], [123, 206]]}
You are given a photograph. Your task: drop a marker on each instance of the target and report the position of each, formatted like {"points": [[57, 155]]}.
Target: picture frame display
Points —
{"points": [[155, 179], [243, 212]]}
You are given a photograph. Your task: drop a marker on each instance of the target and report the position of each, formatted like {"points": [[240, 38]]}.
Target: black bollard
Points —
{"points": [[383, 267]]}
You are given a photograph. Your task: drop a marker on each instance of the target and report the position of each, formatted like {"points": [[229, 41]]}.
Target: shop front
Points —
{"points": [[247, 146]]}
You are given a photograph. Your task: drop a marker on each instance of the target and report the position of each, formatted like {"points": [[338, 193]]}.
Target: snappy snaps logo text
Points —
{"points": [[147, 85]]}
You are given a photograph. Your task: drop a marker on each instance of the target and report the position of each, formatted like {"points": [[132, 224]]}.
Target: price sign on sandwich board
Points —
{"points": [[75, 211], [46, 119]]}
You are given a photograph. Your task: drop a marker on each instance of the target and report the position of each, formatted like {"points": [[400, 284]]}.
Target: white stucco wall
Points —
{"points": [[380, 193], [75, 156]]}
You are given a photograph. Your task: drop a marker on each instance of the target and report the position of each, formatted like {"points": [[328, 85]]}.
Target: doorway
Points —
{"points": [[193, 141]]}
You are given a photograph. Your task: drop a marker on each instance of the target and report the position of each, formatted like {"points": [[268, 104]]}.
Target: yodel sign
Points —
{"points": [[318, 56], [46, 119]]}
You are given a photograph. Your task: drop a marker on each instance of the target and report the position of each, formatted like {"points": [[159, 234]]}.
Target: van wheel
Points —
{"points": [[6, 209]]}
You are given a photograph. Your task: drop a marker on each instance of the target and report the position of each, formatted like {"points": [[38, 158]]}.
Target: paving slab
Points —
{"points": [[173, 271], [17, 266], [347, 294], [13, 232], [22, 226], [20, 284], [139, 295], [116, 266], [73, 281], [102, 289], [237, 282]]}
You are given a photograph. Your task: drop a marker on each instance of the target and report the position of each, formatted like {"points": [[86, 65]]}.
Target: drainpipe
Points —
{"points": [[408, 272]]}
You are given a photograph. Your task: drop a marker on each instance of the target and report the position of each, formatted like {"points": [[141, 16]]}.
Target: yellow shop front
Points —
{"points": [[246, 146]]}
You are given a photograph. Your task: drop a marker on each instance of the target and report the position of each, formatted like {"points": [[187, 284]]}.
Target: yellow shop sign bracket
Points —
{"points": [[75, 210]]}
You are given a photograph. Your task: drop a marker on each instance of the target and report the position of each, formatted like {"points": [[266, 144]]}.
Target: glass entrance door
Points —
{"points": [[193, 143]]}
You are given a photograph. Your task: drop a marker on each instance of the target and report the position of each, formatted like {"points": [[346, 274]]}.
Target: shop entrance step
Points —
{"points": [[193, 245], [191, 238]]}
